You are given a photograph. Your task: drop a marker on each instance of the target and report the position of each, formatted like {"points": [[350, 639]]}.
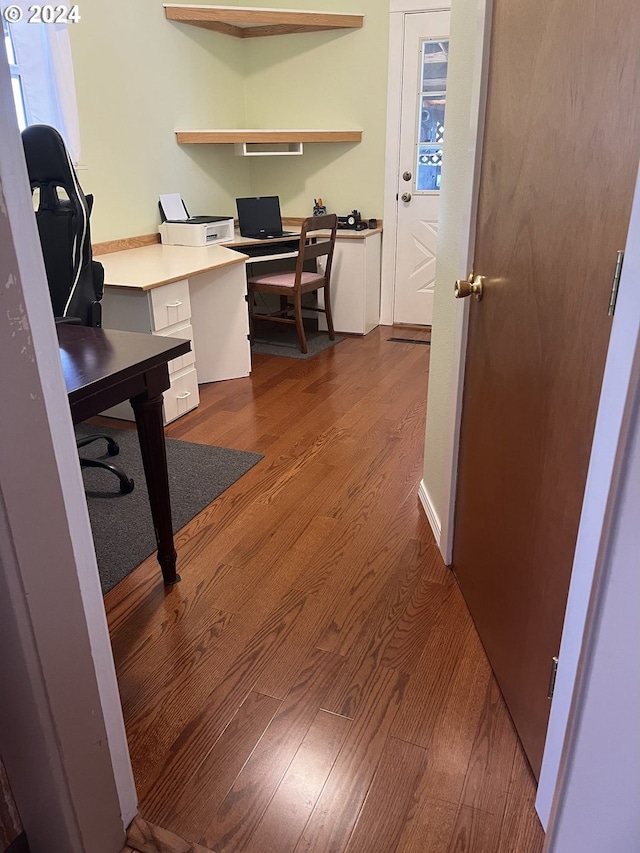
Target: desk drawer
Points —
{"points": [[170, 304], [188, 358], [182, 396]]}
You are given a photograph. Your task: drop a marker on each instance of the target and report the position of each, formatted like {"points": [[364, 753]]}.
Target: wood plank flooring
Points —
{"points": [[315, 682]]}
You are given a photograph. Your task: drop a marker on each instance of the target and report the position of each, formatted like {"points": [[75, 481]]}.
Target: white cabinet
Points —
{"points": [[355, 284], [182, 396], [220, 321], [163, 311], [170, 304], [190, 292], [185, 332]]}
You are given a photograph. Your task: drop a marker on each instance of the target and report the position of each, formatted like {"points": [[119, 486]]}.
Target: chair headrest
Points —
{"points": [[47, 159]]}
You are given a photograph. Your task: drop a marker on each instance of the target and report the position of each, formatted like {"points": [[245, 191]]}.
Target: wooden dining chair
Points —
{"points": [[291, 285]]}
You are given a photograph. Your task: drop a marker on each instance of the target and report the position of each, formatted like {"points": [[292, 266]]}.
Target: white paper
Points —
{"points": [[173, 207]]}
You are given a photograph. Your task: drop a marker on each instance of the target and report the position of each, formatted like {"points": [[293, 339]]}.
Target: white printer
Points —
{"points": [[180, 229]]}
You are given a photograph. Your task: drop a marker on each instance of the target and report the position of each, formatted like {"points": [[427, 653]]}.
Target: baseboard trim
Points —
{"points": [[144, 837], [429, 510], [124, 243]]}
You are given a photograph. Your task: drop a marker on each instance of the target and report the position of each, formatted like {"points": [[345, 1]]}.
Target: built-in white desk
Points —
{"points": [[183, 292], [355, 277], [200, 293]]}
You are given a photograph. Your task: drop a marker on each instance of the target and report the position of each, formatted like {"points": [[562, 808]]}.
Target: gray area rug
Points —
{"points": [[121, 524], [284, 341]]}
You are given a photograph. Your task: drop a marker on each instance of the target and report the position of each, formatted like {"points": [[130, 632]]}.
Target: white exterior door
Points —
{"points": [[424, 77]]}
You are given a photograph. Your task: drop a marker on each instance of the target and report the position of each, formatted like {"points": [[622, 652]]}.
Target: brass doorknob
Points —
{"points": [[472, 287], [406, 196]]}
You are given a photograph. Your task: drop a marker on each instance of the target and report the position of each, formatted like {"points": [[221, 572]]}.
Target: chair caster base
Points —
{"points": [[126, 483], [126, 486]]}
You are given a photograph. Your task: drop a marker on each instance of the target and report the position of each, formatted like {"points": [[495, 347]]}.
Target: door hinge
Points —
{"points": [[552, 677], [615, 284]]}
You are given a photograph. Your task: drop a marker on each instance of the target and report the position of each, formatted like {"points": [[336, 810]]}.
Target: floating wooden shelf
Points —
{"points": [[189, 137], [247, 22]]}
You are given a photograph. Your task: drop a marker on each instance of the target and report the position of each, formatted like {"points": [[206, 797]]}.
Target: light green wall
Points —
{"points": [[323, 80], [455, 199], [140, 77]]}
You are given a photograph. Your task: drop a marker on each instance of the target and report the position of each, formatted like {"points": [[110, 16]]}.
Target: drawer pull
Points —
{"points": [[183, 396], [174, 304]]}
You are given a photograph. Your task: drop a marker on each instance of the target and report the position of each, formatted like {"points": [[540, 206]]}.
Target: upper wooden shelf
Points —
{"points": [[247, 22], [266, 136]]}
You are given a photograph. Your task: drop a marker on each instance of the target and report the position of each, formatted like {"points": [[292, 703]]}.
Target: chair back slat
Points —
{"points": [[317, 249]]}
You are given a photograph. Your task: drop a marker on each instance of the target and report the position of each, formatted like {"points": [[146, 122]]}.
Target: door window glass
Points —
{"points": [[431, 106]]}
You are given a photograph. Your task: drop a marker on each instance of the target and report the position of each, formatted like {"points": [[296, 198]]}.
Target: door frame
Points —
{"points": [[62, 734], [607, 455], [596, 533], [397, 11]]}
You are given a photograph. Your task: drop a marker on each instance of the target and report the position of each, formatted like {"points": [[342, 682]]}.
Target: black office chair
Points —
{"points": [[76, 281]]}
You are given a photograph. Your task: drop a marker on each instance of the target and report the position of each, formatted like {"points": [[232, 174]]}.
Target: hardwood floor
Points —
{"points": [[315, 682]]}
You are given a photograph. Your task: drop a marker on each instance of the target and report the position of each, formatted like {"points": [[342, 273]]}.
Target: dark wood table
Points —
{"points": [[103, 367]]}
